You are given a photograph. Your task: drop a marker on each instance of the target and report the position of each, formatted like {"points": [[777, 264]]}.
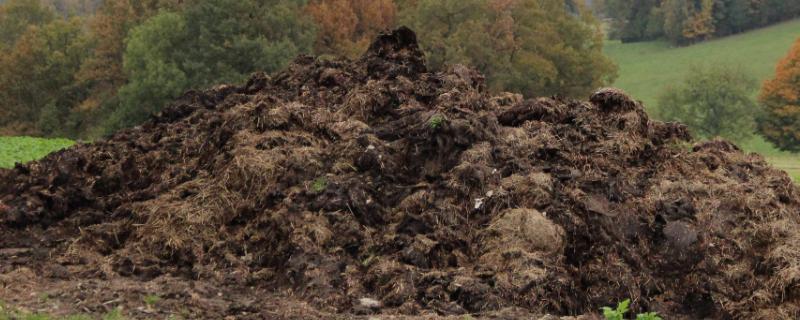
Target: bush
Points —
{"points": [[210, 42], [537, 48], [713, 102], [622, 309]]}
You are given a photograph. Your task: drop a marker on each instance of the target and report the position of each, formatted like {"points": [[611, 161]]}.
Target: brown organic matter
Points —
{"points": [[344, 189]]}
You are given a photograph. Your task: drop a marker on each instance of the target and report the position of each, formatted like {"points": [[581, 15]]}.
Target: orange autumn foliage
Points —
{"points": [[345, 27], [780, 97]]}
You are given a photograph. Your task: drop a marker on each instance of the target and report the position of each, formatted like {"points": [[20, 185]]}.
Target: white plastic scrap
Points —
{"points": [[478, 203], [369, 303]]}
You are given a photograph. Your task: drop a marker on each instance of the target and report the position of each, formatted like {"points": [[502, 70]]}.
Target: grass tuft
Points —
{"points": [[319, 185], [436, 122], [150, 300]]}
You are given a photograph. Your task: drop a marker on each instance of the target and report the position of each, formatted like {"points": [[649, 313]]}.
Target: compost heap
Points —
{"points": [[377, 187]]}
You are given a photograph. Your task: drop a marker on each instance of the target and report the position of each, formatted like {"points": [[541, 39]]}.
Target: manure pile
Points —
{"points": [[374, 188]]}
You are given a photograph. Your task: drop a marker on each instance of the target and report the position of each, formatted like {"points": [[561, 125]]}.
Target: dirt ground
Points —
{"points": [[375, 189]]}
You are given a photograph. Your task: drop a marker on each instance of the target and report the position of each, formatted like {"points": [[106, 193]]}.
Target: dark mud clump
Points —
{"points": [[344, 188]]}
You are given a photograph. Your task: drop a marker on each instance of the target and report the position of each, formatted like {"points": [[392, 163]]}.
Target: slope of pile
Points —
{"points": [[374, 186]]}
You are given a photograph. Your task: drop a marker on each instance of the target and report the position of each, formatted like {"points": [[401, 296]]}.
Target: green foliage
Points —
{"points": [[102, 72], [435, 122], [635, 20], [8, 313], [622, 308], [713, 102], [229, 39], [115, 314], [619, 312], [445, 23], [210, 42], [319, 184], [732, 16], [37, 78], [536, 47], [154, 76], [648, 316], [16, 16], [676, 12], [24, 149], [690, 21], [150, 300]]}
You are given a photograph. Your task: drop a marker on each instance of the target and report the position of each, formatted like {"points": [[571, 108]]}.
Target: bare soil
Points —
{"points": [[345, 189]]}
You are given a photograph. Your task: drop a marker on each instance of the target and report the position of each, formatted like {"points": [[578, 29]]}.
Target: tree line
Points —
{"points": [[70, 7], [113, 63], [684, 22]]}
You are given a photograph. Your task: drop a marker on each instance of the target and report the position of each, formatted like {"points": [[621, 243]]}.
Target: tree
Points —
{"points": [[37, 78], [532, 46], [689, 21], [154, 76], [676, 13], [16, 16], [109, 28], [731, 16], [229, 39], [444, 23], [700, 24], [211, 41], [635, 20], [713, 102], [780, 98], [773, 11], [346, 27]]}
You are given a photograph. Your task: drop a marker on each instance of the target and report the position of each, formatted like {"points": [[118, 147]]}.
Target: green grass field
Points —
{"points": [[646, 68], [7, 313], [24, 149]]}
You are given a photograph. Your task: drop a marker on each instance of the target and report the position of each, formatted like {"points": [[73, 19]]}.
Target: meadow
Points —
{"points": [[646, 68], [24, 149]]}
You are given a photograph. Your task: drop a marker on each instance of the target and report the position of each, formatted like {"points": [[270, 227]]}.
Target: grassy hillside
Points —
{"points": [[24, 149], [646, 68]]}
